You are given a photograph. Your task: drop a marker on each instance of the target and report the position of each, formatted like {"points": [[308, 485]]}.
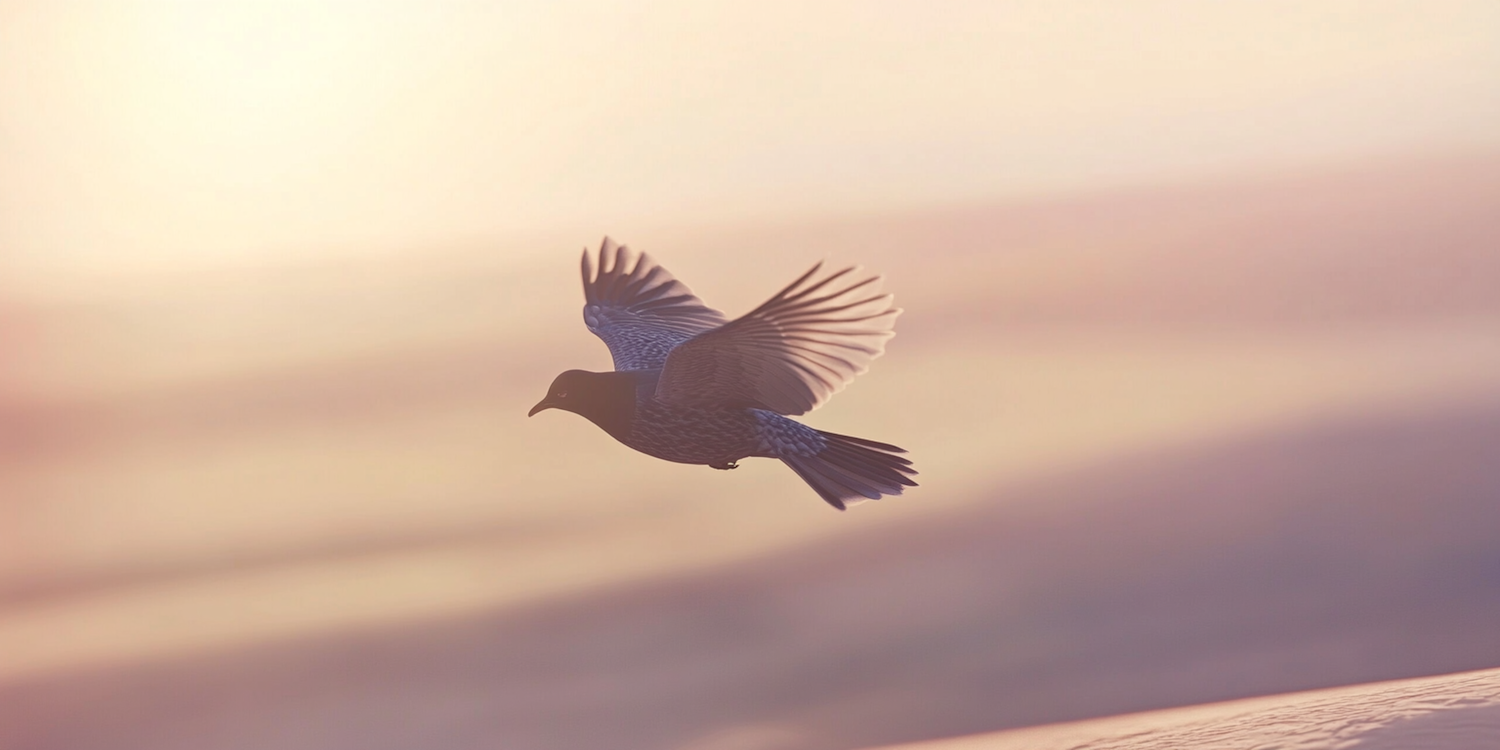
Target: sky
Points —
{"points": [[137, 136], [330, 463]]}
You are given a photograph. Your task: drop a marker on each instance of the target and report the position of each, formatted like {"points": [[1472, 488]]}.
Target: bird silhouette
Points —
{"points": [[691, 386]]}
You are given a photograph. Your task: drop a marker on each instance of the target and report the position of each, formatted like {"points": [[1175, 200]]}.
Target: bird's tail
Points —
{"points": [[849, 470]]}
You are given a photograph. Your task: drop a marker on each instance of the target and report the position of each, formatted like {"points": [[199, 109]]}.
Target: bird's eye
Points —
{"points": [[562, 394]]}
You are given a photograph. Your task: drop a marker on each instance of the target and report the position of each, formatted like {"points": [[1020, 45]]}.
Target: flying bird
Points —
{"points": [[692, 386]]}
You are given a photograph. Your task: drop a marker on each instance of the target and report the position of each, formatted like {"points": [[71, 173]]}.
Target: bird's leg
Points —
{"points": [[726, 465]]}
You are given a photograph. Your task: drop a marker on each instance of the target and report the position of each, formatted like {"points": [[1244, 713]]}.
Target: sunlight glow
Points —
{"points": [[163, 134]]}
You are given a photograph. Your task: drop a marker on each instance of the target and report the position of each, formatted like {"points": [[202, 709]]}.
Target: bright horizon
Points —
{"points": [[146, 136]]}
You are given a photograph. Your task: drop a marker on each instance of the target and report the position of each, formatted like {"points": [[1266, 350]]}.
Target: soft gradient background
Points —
{"points": [[1200, 363]]}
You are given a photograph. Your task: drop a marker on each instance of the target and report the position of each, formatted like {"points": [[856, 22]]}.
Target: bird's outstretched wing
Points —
{"points": [[638, 309], [790, 354]]}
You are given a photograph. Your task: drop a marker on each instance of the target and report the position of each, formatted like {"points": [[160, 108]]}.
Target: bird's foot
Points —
{"points": [[727, 465]]}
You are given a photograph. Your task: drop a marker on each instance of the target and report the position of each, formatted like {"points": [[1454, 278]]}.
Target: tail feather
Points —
{"points": [[878, 466], [850, 470]]}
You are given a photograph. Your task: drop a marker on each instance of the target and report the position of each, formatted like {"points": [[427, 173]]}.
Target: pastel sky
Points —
{"points": [[141, 135]]}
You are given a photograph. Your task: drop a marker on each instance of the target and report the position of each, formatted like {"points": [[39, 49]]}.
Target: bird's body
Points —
{"points": [[710, 434], [692, 388], [713, 434]]}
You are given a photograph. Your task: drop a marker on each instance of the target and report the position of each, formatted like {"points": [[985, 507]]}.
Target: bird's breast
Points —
{"points": [[693, 434]]}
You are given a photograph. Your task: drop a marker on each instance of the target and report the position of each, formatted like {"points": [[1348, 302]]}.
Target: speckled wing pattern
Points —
{"points": [[639, 310], [790, 354]]}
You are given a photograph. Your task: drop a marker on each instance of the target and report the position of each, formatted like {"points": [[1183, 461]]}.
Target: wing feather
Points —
{"points": [[638, 309], [790, 354]]}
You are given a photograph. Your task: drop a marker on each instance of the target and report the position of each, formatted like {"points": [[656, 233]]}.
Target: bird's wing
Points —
{"points": [[790, 354], [638, 309]]}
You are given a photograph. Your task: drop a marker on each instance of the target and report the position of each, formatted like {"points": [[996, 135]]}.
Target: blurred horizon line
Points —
{"points": [[64, 282]]}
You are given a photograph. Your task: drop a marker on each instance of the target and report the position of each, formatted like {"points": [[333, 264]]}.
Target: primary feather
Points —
{"points": [[638, 309], [792, 353]]}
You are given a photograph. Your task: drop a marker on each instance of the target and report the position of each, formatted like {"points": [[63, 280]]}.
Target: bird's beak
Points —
{"points": [[542, 405]]}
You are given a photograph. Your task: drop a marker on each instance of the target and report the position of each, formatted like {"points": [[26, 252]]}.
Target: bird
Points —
{"points": [[693, 387]]}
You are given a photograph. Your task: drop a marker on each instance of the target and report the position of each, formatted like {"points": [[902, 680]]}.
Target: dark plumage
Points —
{"points": [[693, 387]]}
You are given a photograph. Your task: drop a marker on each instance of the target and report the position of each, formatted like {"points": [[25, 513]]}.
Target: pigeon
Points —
{"points": [[694, 387]]}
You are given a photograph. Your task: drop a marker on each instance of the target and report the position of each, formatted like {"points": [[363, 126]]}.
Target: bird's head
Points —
{"points": [[590, 393], [571, 391], [606, 398]]}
